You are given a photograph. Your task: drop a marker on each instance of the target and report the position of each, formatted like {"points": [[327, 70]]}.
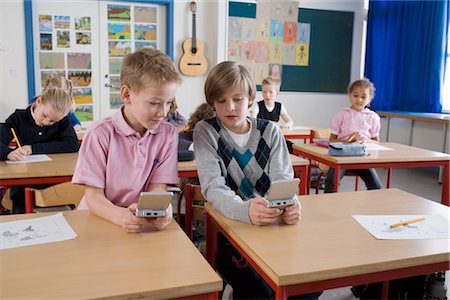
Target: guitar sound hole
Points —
{"points": [[194, 50]]}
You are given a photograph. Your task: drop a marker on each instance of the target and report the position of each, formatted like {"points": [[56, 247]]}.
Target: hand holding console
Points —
{"points": [[281, 193], [153, 204]]}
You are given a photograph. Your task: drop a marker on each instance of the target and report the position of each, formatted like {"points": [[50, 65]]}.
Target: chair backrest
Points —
{"points": [[194, 201], [61, 194], [322, 133]]}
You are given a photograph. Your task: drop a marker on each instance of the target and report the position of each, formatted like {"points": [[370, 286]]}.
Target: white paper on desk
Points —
{"points": [[433, 227], [375, 146], [35, 231], [298, 128], [31, 159]]}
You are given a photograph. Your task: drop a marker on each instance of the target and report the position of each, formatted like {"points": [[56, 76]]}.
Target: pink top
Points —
{"points": [[348, 120], [114, 157]]}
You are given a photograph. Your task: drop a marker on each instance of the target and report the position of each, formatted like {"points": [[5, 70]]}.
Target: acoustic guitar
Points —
{"points": [[193, 61]]}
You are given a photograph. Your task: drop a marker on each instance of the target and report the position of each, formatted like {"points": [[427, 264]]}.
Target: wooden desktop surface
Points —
{"points": [[299, 132], [417, 116], [329, 244], [104, 261]]}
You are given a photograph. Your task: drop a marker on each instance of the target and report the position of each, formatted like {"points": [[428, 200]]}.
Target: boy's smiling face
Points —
{"points": [[231, 109], [270, 93], [147, 108]]}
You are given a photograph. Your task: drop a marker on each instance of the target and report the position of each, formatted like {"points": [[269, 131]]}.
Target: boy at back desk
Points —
{"points": [[134, 150]]}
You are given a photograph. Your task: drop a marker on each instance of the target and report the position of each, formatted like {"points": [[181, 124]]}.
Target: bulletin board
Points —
{"points": [[330, 47]]}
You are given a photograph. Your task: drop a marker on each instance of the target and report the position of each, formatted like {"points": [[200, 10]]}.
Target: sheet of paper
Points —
{"points": [[433, 227], [31, 159], [375, 146], [298, 128], [35, 231]]}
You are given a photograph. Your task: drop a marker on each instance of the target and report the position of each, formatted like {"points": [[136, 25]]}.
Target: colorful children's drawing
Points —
{"points": [[114, 100], [145, 14], [148, 44], [234, 29], [248, 29], [114, 82], [261, 72], [46, 41], [262, 31], [275, 71], [290, 32], [263, 10], [119, 31], [234, 51], [82, 95], [62, 22], [262, 52], [276, 10], [302, 54], [290, 11], [119, 13], [275, 53], [145, 32], [84, 112], [45, 23], [51, 60], [76, 60], [83, 38], [83, 23], [248, 51], [119, 48], [80, 78], [276, 31], [48, 74], [62, 39], [288, 57], [115, 65], [303, 33]]}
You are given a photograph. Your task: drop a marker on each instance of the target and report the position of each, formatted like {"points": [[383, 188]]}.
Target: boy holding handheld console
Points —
{"points": [[237, 158], [134, 150]]}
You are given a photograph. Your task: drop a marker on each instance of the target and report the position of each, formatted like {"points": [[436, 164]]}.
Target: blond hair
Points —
{"points": [[145, 67], [228, 74], [271, 81], [362, 83], [62, 83], [203, 111], [58, 98]]}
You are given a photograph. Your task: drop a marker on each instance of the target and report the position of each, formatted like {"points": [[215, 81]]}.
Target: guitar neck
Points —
{"points": [[194, 35]]}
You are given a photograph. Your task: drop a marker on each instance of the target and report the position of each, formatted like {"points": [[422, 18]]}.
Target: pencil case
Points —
{"points": [[346, 149]]}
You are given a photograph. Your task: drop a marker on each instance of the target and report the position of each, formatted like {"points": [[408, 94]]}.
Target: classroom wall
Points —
{"points": [[313, 109]]}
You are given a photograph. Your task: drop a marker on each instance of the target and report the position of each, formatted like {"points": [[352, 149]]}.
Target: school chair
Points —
{"points": [[324, 134], [194, 205], [60, 195]]}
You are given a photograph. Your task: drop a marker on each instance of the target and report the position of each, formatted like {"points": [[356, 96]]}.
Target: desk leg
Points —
{"points": [[389, 176], [280, 293], [301, 173], [337, 178], [211, 241], [385, 291], [445, 184]]}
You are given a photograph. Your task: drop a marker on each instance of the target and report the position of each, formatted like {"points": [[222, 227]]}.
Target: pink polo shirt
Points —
{"points": [[348, 120], [116, 158]]}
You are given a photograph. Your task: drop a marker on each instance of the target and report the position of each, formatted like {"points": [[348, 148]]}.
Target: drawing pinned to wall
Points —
{"points": [[119, 48], [82, 95], [290, 32], [62, 22], [234, 29], [78, 60], [248, 29], [48, 74], [80, 78], [83, 38], [84, 112], [114, 83], [118, 12], [45, 23], [62, 39], [276, 31], [275, 71], [288, 57], [145, 32], [115, 64], [263, 10], [248, 51], [119, 31], [114, 100], [83, 23], [261, 72], [290, 11], [51, 60], [45, 41], [275, 53], [276, 10], [303, 33], [262, 50], [262, 31], [145, 14], [302, 54], [234, 51], [147, 44]]}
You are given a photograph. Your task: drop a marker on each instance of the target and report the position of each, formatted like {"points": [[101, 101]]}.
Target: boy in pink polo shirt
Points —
{"points": [[134, 150]]}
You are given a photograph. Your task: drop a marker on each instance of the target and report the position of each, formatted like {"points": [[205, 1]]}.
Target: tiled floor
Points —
{"points": [[419, 181]]}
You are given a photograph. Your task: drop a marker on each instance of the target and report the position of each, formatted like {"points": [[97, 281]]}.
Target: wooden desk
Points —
{"points": [[106, 262], [301, 133], [59, 169], [188, 169], [402, 156], [328, 248]]}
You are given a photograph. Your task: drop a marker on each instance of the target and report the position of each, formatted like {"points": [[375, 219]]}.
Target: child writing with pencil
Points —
{"points": [[237, 159], [134, 150], [42, 128], [356, 124]]}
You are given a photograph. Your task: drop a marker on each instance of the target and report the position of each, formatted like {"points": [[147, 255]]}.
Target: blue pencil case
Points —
{"points": [[346, 149]]}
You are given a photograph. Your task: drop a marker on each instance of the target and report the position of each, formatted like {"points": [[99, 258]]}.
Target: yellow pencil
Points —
{"points": [[406, 222], [15, 137]]}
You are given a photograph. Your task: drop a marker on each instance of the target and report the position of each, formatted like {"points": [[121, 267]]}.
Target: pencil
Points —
{"points": [[406, 222], [15, 137]]}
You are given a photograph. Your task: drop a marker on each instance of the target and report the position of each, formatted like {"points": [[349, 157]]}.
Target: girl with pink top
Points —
{"points": [[356, 124]]}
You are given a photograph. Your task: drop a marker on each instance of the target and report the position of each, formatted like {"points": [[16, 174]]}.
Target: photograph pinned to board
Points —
{"points": [[119, 31], [51, 60], [45, 41], [118, 13], [83, 23], [45, 23], [83, 38], [63, 38], [80, 78], [62, 22]]}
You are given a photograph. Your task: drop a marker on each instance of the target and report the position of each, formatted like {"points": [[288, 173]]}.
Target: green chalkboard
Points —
{"points": [[329, 54]]}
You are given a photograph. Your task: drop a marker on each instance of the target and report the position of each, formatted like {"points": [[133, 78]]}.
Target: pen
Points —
{"points": [[15, 137], [406, 222]]}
